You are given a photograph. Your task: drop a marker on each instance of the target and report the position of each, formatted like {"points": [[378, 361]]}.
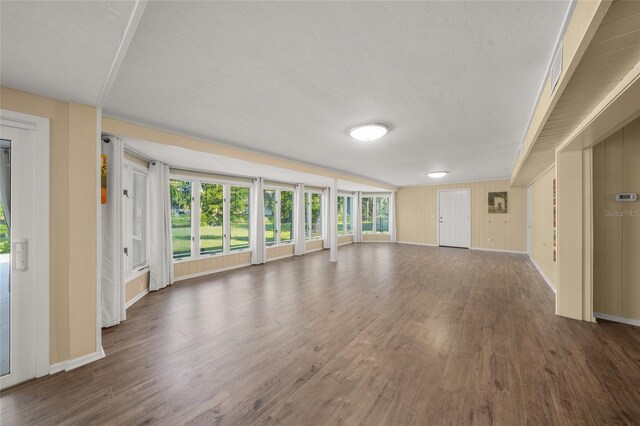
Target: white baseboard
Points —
{"points": [[416, 244], [344, 244], [77, 362], [498, 250], [623, 320], [374, 241], [214, 271], [135, 299], [544, 277]]}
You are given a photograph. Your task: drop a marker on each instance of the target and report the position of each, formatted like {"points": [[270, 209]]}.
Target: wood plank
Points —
{"points": [[392, 334]]}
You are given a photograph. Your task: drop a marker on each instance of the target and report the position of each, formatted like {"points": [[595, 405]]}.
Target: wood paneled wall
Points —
{"points": [[542, 225], [375, 237], [280, 251], [416, 209], [616, 257], [345, 239], [136, 286], [210, 264], [314, 245]]}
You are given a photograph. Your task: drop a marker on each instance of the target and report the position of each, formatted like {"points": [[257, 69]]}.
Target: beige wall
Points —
{"points": [[136, 286], [211, 264], [73, 198], [375, 237], [616, 268], [417, 216], [280, 251], [345, 239], [542, 224], [314, 245]]}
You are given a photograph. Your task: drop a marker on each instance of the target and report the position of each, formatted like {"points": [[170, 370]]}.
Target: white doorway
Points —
{"points": [[454, 218], [24, 248]]}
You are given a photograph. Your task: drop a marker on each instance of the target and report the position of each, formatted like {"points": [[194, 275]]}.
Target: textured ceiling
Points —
{"points": [[63, 50], [456, 81]]}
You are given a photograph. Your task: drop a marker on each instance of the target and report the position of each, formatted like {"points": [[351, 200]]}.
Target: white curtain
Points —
{"points": [[333, 221], [161, 251], [112, 263], [258, 249], [325, 219], [392, 217], [5, 183], [300, 232], [357, 217]]}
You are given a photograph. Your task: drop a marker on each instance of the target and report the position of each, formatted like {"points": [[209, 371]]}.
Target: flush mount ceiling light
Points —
{"points": [[369, 132], [437, 174]]}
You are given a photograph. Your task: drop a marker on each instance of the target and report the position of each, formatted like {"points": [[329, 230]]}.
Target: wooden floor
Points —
{"points": [[392, 334]]}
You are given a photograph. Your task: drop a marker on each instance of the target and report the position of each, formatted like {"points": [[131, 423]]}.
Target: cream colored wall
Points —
{"points": [[211, 264], [313, 245], [375, 237], [280, 251], [136, 286], [542, 224], [345, 239], [616, 268], [416, 209], [73, 198]]}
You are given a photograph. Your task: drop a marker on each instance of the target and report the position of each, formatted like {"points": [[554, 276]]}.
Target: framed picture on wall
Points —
{"points": [[498, 202]]}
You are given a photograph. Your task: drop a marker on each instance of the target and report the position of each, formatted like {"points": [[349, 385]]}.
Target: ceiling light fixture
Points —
{"points": [[369, 132], [437, 175]]}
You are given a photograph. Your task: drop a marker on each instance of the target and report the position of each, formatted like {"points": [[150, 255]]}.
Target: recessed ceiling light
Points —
{"points": [[437, 174], [369, 132]]}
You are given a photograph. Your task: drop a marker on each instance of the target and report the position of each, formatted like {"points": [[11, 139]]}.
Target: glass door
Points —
{"points": [[5, 256]]}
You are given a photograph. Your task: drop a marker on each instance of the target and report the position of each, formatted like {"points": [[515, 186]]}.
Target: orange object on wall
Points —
{"points": [[103, 180]]}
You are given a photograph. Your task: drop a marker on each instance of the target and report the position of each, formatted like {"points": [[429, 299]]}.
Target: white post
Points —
{"points": [[333, 230]]}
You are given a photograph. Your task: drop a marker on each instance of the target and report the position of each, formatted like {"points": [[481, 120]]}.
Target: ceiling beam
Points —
{"points": [[132, 25]]}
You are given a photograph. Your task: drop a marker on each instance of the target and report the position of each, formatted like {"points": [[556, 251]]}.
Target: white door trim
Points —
{"points": [[468, 190], [41, 127]]}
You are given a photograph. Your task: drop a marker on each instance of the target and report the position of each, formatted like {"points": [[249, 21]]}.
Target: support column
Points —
{"points": [[333, 226], [574, 230]]}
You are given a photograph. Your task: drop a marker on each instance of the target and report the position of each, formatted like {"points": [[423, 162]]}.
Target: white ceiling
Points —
{"points": [[456, 81]]}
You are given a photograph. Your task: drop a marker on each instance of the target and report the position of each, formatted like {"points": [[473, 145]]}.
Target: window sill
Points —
{"points": [[289, 243], [375, 233], [209, 256], [313, 239], [132, 275]]}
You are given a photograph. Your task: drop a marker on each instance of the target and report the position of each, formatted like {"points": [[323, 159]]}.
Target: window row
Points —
{"points": [[375, 214], [219, 224], [210, 218]]}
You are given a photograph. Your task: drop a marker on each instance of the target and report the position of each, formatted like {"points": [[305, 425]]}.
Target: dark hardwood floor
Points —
{"points": [[392, 334]]}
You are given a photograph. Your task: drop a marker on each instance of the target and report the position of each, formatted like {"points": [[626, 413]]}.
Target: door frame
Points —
{"points": [[40, 125], [468, 190]]}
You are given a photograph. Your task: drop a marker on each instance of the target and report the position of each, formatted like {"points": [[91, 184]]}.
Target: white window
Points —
{"points": [[208, 218], [278, 216], [137, 218], [345, 215], [313, 214], [375, 214]]}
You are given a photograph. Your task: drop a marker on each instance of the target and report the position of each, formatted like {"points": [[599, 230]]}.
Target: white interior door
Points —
{"points": [[454, 218], [18, 192]]}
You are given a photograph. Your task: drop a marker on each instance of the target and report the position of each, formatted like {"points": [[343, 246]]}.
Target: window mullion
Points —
{"points": [[374, 209], [277, 218], [226, 218], [196, 188]]}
